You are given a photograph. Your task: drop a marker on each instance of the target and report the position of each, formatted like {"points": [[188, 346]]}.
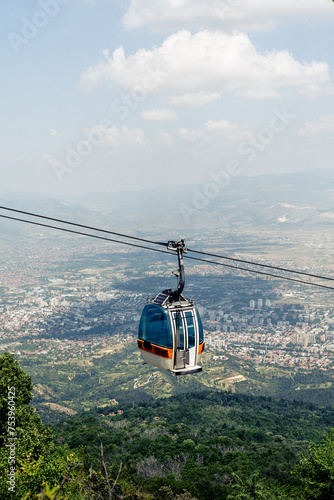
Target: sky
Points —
{"points": [[115, 95]]}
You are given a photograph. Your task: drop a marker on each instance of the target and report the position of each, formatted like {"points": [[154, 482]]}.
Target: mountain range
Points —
{"points": [[303, 200]]}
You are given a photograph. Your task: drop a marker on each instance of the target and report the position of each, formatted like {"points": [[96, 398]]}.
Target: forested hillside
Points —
{"points": [[211, 444], [207, 444]]}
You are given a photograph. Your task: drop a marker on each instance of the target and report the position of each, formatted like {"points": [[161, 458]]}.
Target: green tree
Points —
{"points": [[28, 456], [247, 488], [18, 421], [316, 469]]}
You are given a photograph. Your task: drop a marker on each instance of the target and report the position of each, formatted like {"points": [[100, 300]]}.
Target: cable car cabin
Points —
{"points": [[171, 334]]}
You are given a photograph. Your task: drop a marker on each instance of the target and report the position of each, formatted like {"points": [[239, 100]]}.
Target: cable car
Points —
{"points": [[170, 333]]}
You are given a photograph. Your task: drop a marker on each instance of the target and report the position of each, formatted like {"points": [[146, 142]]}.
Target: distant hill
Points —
{"points": [[264, 201], [303, 200]]}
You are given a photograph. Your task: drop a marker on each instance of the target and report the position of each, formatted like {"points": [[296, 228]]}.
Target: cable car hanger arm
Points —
{"points": [[179, 247]]}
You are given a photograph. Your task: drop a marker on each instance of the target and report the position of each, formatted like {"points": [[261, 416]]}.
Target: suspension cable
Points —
{"points": [[83, 226], [164, 251], [260, 272], [122, 235], [84, 234], [262, 265]]}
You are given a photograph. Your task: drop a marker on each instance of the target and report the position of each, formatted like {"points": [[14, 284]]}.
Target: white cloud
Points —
{"points": [[218, 132], [156, 115], [193, 70], [194, 99], [227, 14], [325, 125], [233, 131], [140, 73], [116, 136], [53, 132]]}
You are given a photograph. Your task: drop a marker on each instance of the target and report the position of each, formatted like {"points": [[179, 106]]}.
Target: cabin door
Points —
{"points": [[185, 327]]}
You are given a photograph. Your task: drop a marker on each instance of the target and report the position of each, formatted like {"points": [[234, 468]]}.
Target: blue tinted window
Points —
{"points": [[191, 329], [179, 330], [155, 327], [200, 328]]}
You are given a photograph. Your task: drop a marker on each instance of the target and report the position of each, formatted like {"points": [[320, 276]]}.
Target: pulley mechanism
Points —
{"points": [[180, 248]]}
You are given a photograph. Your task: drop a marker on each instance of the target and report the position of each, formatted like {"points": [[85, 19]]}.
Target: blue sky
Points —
{"points": [[106, 95]]}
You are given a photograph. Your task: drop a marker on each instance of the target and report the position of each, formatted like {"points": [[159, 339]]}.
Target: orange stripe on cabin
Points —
{"points": [[201, 348], [157, 350]]}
